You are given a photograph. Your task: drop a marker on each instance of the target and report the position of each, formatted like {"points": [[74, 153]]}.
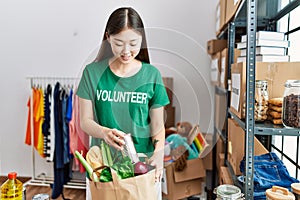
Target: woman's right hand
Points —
{"points": [[114, 138]]}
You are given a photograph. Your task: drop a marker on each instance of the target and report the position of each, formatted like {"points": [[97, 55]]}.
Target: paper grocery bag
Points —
{"points": [[140, 187]]}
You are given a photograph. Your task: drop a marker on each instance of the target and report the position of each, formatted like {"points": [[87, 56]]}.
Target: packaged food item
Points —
{"points": [[291, 104], [12, 188], [261, 101]]}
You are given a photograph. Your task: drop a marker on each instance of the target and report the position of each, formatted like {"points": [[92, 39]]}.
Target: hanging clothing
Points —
{"points": [[52, 129], [38, 118], [46, 123], [52, 113], [79, 140], [61, 163]]}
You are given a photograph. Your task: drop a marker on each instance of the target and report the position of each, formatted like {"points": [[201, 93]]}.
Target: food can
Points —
{"points": [[41, 197], [296, 190], [228, 192], [279, 193], [130, 149]]}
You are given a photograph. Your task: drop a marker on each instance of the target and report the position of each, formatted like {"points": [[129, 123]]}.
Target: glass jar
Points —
{"points": [[261, 100], [228, 192], [291, 104]]}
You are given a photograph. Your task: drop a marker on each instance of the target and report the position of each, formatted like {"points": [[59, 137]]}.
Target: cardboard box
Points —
{"points": [[169, 116], [168, 82], [231, 8], [215, 45], [275, 73], [220, 111], [224, 66], [215, 67], [236, 145], [220, 16], [208, 155], [224, 176], [220, 161], [185, 183]]}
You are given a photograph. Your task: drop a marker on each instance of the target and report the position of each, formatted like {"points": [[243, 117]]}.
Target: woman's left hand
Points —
{"points": [[157, 161]]}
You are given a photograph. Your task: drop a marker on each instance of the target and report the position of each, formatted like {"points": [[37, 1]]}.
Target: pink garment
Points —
{"points": [[79, 140]]}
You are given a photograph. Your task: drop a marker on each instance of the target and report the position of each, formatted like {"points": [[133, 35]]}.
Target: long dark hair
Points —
{"points": [[123, 18]]}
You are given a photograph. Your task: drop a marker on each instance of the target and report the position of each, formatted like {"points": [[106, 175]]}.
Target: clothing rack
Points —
{"points": [[42, 179]]}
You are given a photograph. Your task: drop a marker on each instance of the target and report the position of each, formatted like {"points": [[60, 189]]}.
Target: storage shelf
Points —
{"points": [[267, 128], [251, 16], [267, 10]]}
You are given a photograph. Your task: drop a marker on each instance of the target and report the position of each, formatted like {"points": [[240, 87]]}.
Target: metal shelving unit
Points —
{"points": [[252, 15]]}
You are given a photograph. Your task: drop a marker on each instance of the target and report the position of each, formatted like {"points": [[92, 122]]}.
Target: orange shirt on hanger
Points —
{"points": [[38, 116]]}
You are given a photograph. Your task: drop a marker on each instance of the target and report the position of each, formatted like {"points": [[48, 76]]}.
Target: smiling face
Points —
{"points": [[125, 45]]}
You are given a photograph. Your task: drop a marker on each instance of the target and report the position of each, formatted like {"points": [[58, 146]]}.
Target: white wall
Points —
{"points": [[55, 38]]}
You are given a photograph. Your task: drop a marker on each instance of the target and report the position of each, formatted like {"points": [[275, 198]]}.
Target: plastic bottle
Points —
{"points": [[12, 188]]}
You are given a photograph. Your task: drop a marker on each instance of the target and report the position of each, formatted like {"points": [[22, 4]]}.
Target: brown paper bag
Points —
{"points": [[140, 187]]}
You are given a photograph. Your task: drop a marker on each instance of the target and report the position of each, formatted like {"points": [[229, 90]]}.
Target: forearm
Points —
{"points": [[158, 140], [158, 130], [92, 128], [113, 137], [87, 122]]}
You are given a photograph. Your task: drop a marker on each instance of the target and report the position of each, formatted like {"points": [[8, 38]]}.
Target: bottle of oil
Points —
{"points": [[12, 188]]}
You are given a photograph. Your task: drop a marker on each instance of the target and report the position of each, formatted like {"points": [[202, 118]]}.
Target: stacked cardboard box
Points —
{"points": [[231, 9], [214, 49], [270, 47], [224, 66], [220, 16]]}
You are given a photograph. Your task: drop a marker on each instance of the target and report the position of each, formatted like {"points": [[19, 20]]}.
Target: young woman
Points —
{"points": [[121, 92]]}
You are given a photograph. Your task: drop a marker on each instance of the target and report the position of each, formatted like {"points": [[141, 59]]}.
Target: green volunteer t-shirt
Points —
{"points": [[124, 103]]}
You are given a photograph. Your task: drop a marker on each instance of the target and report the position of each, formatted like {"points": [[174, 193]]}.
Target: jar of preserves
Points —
{"points": [[291, 104], [261, 100]]}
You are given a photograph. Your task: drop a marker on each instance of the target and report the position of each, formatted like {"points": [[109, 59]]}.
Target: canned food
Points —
{"points": [[130, 149], [228, 192], [41, 197], [279, 193], [296, 190]]}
